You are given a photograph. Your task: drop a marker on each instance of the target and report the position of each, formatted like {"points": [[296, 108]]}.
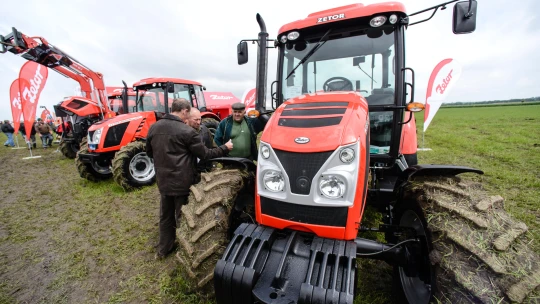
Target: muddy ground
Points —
{"points": [[66, 240]]}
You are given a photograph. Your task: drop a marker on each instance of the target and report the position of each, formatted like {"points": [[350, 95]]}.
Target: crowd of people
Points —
{"points": [[179, 144], [45, 130]]}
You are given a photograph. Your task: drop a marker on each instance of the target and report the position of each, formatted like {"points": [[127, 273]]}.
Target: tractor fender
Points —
{"points": [[430, 170], [210, 115]]}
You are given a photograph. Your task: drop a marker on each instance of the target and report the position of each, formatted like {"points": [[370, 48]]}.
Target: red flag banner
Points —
{"points": [[32, 79], [249, 98], [443, 78], [15, 100], [46, 115]]}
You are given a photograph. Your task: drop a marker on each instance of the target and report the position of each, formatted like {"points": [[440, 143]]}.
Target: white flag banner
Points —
{"points": [[443, 78]]}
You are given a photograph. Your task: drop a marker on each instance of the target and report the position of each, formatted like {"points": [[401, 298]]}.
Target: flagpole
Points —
{"points": [[17, 140], [31, 156]]}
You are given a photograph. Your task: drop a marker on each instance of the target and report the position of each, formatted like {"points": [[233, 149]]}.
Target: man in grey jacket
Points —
{"points": [[175, 146]]}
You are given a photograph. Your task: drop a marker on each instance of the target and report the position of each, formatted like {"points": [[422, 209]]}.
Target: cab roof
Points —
{"points": [[343, 13], [165, 79]]}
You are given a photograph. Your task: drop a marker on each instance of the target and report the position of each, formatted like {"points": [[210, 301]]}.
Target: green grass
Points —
{"points": [[78, 241]]}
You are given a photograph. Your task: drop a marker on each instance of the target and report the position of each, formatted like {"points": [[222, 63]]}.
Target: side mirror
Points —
{"points": [[242, 52], [170, 87], [464, 19]]}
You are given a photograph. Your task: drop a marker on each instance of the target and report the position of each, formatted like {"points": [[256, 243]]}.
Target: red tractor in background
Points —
{"points": [[293, 224], [80, 112], [116, 147]]}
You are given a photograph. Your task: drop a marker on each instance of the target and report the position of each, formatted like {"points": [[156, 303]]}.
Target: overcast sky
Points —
{"points": [[131, 40]]}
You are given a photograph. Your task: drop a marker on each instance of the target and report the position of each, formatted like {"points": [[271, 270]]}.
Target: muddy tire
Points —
{"points": [[211, 124], [204, 227], [132, 168], [474, 251], [87, 171], [69, 149]]}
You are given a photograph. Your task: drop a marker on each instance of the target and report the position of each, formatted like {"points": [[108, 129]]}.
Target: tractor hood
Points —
{"points": [[318, 122]]}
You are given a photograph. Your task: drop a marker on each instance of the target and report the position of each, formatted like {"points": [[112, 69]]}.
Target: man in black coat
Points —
{"points": [[175, 146]]}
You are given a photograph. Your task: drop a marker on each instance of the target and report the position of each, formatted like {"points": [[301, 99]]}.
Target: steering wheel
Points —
{"points": [[333, 84]]}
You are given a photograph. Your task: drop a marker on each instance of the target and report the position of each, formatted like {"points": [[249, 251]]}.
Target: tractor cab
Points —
{"points": [[157, 94], [357, 50]]}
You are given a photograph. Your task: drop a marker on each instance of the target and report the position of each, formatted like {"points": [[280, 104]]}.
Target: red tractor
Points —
{"points": [[289, 230], [80, 112], [116, 147]]}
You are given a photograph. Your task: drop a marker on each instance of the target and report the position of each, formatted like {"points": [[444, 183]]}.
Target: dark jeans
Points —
{"points": [[169, 218]]}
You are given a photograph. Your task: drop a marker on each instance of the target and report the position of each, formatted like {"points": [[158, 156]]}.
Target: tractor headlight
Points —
{"points": [[96, 138], [377, 21], [273, 181], [293, 35], [265, 151], [332, 186], [346, 155]]}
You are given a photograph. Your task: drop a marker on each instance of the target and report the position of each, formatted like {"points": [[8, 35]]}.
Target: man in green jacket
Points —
{"points": [[242, 130]]}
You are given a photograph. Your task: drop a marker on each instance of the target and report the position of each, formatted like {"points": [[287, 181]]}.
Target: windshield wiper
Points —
{"points": [[311, 52]]}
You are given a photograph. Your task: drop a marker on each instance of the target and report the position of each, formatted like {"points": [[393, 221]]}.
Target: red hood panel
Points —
{"points": [[281, 135]]}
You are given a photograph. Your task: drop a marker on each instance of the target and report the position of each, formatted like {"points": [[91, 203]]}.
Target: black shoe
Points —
{"points": [[34, 146]]}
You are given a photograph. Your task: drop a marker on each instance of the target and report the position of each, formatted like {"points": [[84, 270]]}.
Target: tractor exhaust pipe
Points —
{"points": [[262, 65]]}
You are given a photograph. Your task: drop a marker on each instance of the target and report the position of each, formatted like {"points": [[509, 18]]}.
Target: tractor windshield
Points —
{"points": [[360, 61], [152, 98], [116, 104]]}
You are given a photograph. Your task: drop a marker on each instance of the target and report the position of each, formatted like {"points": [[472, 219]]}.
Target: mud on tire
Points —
{"points": [[204, 224], [85, 170], [143, 174], [211, 124], [479, 253], [68, 149]]}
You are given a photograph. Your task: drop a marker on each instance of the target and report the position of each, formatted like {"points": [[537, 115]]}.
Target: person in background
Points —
{"points": [[242, 130], [32, 140], [45, 132], [174, 146], [7, 128], [194, 121]]}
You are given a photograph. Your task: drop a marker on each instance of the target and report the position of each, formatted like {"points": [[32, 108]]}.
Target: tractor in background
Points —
{"points": [[289, 229], [79, 112], [116, 147]]}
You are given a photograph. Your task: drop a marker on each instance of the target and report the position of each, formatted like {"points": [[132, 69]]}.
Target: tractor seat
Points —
{"points": [[381, 96]]}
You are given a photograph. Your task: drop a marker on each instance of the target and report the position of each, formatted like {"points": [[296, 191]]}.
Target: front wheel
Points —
{"points": [[204, 227], [472, 250], [95, 171], [132, 167], [69, 149]]}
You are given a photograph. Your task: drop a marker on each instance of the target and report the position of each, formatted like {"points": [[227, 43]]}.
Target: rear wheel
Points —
{"points": [[472, 250], [69, 149], [132, 167], [211, 124], [95, 171], [204, 227]]}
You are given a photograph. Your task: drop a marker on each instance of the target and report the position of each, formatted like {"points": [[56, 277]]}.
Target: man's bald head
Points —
{"points": [[194, 119]]}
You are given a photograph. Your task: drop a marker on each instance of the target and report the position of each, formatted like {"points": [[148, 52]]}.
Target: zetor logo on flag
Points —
{"points": [[442, 80], [32, 79], [16, 107]]}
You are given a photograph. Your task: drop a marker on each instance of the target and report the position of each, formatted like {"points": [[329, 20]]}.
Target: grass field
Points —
{"points": [[66, 240]]}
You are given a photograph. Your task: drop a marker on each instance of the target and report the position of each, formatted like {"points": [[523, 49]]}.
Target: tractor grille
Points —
{"points": [[115, 135], [301, 168], [326, 216]]}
